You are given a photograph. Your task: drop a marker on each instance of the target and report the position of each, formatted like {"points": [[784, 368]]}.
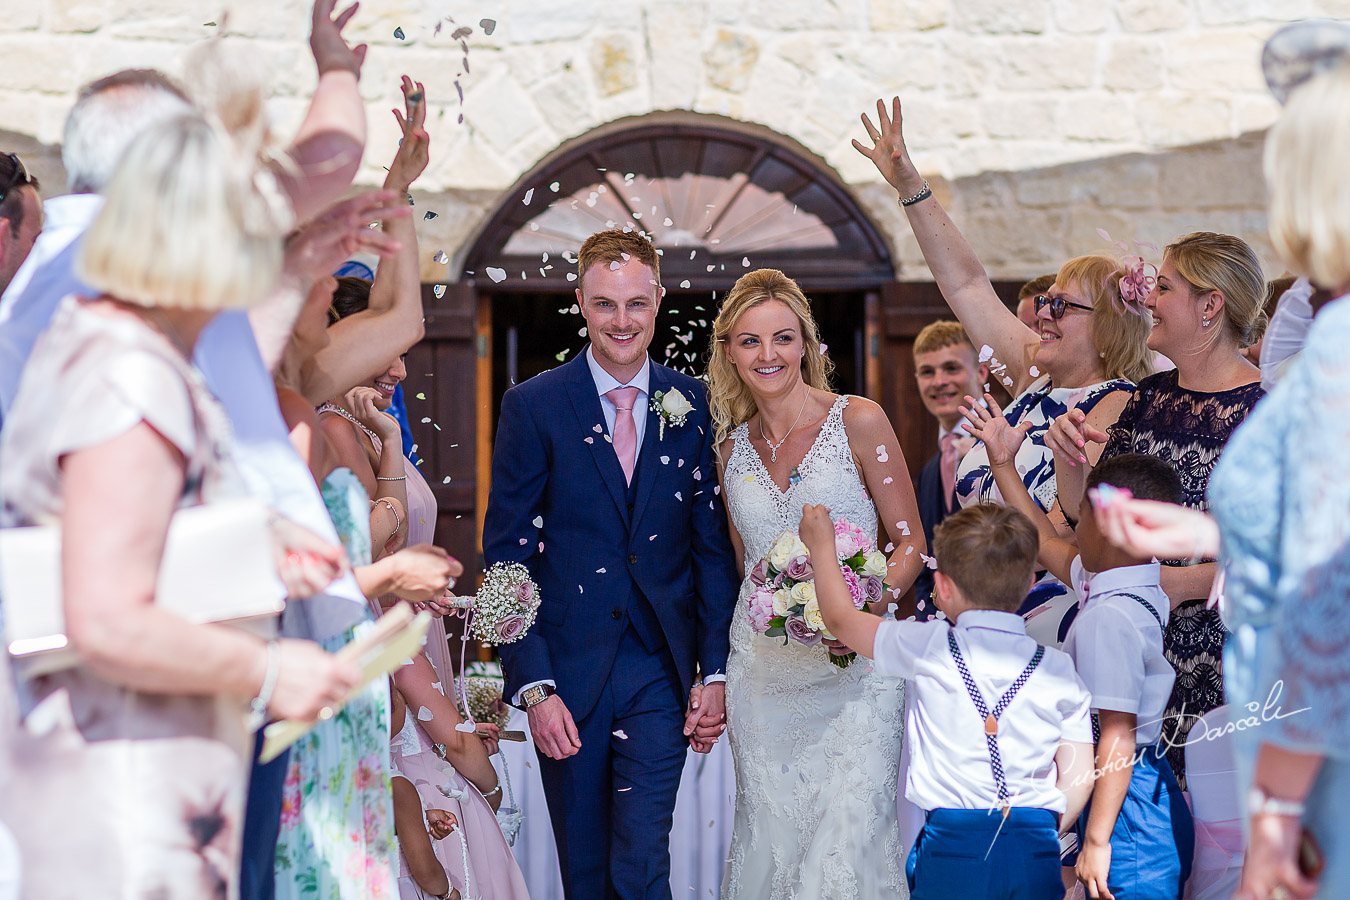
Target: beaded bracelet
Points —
{"points": [[398, 523], [391, 477]]}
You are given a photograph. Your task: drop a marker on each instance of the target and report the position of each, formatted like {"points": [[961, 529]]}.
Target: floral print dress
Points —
{"points": [[337, 815]]}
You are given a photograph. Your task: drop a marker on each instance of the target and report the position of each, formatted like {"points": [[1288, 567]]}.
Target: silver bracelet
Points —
{"points": [[393, 478], [257, 707], [924, 193], [496, 790], [398, 523]]}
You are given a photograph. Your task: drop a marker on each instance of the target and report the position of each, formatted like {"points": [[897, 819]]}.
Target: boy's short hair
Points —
{"points": [[618, 246], [1038, 285], [989, 551], [939, 335], [1146, 477]]}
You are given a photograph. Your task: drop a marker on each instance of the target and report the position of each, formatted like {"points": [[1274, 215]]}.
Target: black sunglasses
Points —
{"points": [[19, 177], [1057, 305]]}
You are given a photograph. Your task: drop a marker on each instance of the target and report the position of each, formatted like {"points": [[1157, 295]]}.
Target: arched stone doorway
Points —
{"points": [[718, 197]]}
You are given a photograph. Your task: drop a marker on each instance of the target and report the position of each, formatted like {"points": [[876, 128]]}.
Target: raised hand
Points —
{"points": [[888, 152], [414, 148], [1069, 434], [988, 423], [361, 401], [330, 50], [1150, 528], [340, 231]]}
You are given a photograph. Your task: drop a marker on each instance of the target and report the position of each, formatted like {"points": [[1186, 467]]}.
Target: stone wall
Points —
{"points": [[1040, 120]]}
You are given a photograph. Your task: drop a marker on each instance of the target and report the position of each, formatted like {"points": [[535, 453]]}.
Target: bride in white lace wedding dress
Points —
{"points": [[816, 748]]}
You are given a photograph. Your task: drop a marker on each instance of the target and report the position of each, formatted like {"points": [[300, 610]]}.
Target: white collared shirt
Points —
{"points": [[949, 764], [1117, 645], [605, 382]]}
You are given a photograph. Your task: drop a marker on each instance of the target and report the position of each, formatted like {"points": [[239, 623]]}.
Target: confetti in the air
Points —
{"points": [[441, 257], [529, 195], [398, 33], [497, 275], [438, 290], [488, 25], [429, 215], [685, 283]]}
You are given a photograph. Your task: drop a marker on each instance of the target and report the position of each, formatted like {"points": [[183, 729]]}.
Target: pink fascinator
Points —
{"points": [[1138, 276]]}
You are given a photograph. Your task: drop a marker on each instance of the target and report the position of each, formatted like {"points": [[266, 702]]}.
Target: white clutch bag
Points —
{"points": [[218, 566]]}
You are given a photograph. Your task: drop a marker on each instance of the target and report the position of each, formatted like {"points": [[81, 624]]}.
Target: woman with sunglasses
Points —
{"points": [[1086, 353], [1206, 305]]}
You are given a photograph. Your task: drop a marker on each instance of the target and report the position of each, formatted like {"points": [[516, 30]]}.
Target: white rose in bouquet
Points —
{"points": [[782, 550], [812, 614], [803, 592], [781, 602], [675, 404], [875, 564]]}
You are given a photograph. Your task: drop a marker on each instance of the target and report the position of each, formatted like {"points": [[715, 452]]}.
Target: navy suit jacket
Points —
{"points": [[931, 512], [594, 555]]}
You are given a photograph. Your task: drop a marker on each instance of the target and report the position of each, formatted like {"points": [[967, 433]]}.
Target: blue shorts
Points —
{"points": [[962, 854]]}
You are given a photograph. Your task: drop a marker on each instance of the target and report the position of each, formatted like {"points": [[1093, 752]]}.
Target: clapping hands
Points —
{"points": [[988, 423]]}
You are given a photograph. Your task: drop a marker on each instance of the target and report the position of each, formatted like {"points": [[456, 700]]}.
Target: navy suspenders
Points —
{"points": [[991, 717]]}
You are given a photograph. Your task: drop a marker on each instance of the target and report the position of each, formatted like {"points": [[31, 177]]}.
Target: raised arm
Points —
{"points": [[963, 281], [326, 152], [361, 345]]}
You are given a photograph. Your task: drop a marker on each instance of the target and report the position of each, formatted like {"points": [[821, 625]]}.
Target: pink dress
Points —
{"points": [[494, 873]]}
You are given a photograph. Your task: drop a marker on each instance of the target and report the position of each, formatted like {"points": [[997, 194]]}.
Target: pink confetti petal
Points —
{"points": [[882, 455], [541, 546], [465, 727], [590, 440], [524, 541], [888, 548], [597, 429], [887, 480]]}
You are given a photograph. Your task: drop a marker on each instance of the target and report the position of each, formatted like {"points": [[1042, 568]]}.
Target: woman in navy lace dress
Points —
{"points": [[1207, 300]]}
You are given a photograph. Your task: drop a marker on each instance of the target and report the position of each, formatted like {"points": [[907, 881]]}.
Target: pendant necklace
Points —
{"points": [[773, 448]]}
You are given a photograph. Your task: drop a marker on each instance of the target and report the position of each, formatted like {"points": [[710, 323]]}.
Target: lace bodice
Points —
{"points": [[813, 819], [761, 512]]}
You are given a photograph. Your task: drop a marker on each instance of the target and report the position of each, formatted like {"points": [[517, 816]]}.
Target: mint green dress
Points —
{"points": [[337, 814]]}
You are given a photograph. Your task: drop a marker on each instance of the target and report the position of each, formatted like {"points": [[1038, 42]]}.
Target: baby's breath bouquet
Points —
{"points": [[505, 606], [484, 693]]}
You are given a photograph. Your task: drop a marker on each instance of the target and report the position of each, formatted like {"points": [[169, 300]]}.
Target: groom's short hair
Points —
{"points": [[617, 246], [989, 552]]}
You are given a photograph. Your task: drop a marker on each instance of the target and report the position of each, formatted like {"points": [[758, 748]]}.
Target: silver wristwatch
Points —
{"points": [[536, 694]]}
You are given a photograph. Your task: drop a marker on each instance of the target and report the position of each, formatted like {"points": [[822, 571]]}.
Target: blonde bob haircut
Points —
{"points": [[1118, 333], [1306, 150], [729, 399], [185, 222]]}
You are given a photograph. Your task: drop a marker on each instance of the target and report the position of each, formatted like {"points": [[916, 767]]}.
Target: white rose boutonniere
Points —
{"points": [[672, 407]]}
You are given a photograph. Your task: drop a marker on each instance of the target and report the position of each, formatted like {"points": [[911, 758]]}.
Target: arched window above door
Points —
{"points": [[714, 198]]}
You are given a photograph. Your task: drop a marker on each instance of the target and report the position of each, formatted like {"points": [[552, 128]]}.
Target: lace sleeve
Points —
{"points": [[1313, 624], [1121, 432]]}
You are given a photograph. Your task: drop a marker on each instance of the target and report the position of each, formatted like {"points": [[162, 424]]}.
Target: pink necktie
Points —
{"points": [[625, 430], [947, 465]]}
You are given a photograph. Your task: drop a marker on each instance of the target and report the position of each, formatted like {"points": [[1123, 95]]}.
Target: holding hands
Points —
{"points": [[888, 152], [988, 423], [440, 823], [706, 717]]}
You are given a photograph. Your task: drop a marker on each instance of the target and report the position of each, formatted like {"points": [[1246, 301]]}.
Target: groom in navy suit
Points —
{"points": [[604, 484]]}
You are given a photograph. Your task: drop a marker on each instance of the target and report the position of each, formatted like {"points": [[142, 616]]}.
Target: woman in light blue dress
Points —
{"points": [[1282, 501]]}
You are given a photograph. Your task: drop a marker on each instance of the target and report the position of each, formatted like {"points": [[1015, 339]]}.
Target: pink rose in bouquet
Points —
{"points": [[760, 607], [849, 539], [526, 594], [873, 588], [799, 631], [855, 588], [510, 628], [760, 573], [799, 569]]}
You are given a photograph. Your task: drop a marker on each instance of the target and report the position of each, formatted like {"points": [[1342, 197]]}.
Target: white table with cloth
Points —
{"points": [[699, 838]]}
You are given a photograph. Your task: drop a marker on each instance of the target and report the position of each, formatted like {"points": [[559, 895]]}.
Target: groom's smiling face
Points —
{"points": [[619, 302]]}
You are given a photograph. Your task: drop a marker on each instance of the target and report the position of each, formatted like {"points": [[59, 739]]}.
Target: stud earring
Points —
{"points": [[1204, 323]]}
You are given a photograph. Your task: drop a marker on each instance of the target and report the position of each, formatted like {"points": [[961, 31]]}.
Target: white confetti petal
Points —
{"points": [[529, 195], [538, 522], [986, 353], [882, 455], [652, 538], [497, 275], [524, 541], [424, 714], [438, 290], [1035, 372], [678, 496], [466, 727], [618, 733], [887, 480], [665, 460], [685, 283], [590, 440], [600, 571], [597, 429], [571, 276], [745, 262]]}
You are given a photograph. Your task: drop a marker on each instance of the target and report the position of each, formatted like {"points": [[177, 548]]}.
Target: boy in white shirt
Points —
{"points": [[998, 725], [1136, 837]]}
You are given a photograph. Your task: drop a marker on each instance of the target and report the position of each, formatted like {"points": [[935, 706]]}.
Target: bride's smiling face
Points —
{"points": [[765, 346]]}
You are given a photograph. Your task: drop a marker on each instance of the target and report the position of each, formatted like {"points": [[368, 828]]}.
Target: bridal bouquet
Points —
{"points": [[505, 606], [784, 601]]}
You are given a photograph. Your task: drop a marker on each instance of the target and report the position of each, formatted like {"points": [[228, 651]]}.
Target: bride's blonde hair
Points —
{"points": [[729, 399]]}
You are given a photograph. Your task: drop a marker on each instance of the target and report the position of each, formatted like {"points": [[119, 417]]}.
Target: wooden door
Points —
{"points": [[441, 394]]}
